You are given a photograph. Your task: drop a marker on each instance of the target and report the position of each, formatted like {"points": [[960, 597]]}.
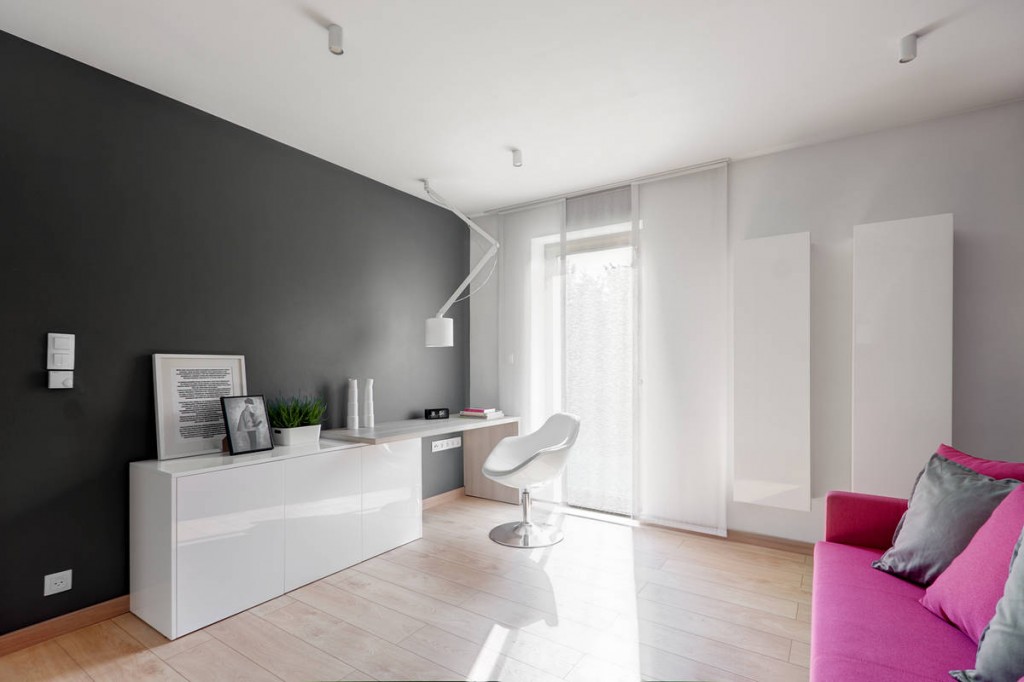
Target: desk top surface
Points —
{"points": [[330, 440], [388, 432]]}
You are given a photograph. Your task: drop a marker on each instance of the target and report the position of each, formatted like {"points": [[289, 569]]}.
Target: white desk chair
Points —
{"points": [[526, 462]]}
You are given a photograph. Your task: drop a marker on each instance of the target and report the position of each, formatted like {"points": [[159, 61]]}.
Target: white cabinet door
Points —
{"points": [[230, 542], [392, 496], [323, 503]]}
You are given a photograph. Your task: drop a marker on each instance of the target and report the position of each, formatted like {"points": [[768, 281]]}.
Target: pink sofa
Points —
{"points": [[866, 624]]}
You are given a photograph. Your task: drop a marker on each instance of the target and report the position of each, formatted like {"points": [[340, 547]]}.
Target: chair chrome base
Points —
{"points": [[526, 535]]}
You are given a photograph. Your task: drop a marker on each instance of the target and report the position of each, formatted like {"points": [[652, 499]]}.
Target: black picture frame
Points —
{"points": [[240, 413]]}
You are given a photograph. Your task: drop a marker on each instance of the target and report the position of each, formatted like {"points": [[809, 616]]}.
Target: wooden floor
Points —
{"points": [[611, 602]]}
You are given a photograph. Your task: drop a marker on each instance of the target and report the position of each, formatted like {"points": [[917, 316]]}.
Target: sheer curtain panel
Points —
{"points": [[684, 349]]}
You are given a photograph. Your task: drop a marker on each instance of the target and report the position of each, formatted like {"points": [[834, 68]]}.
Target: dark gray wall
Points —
{"points": [[442, 471], [143, 225]]}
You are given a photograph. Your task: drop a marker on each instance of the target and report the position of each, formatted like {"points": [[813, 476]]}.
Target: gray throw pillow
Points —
{"points": [[1001, 649], [947, 507]]}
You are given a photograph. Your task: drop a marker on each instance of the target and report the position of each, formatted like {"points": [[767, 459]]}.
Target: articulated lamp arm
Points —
{"points": [[439, 329]]}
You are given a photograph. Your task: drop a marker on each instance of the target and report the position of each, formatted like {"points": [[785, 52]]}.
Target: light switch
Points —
{"points": [[60, 351], [62, 379]]}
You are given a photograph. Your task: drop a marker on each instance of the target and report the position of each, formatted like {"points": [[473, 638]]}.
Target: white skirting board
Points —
{"points": [[772, 371], [902, 350]]}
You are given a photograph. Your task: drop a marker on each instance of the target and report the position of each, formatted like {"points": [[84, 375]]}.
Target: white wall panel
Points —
{"points": [[902, 350], [772, 371]]}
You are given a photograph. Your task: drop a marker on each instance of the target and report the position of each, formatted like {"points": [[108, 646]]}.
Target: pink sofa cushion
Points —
{"points": [[967, 592], [995, 468], [868, 625]]}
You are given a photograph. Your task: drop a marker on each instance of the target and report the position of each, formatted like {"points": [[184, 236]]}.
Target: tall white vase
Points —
{"points": [[353, 404], [368, 405]]}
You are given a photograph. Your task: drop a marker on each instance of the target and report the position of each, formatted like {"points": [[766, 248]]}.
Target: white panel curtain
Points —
{"points": [[684, 349], [679, 226], [526, 384]]}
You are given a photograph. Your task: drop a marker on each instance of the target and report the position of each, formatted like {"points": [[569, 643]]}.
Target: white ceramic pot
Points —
{"points": [[297, 436]]}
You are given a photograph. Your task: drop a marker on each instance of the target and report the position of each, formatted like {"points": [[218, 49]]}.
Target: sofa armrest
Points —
{"points": [[862, 520]]}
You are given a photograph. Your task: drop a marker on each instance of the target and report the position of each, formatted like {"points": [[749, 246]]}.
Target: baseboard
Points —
{"points": [[61, 625], [444, 497], [771, 542]]}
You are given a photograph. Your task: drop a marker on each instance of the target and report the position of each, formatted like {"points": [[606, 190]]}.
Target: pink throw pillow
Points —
{"points": [[967, 592], [995, 468]]}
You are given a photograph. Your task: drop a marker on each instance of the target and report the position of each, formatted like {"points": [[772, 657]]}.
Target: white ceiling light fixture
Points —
{"points": [[334, 36], [440, 329], [517, 157], [908, 48]]}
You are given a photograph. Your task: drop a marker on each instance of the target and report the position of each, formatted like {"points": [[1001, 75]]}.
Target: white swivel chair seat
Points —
{"points": [[527, 462]]}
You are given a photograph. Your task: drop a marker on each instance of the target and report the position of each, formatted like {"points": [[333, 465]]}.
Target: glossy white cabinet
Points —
{"points": [[392, 495], [323, 509], [214, 535], [230, 542]]}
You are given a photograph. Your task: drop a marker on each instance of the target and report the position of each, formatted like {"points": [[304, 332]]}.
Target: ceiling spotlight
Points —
{"points": [[517, 158], [908, 48], [334, 39]]}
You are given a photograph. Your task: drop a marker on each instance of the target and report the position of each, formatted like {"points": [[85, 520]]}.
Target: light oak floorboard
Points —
{"points": [[433, 586], [472, 660], [733, 613], [359, 648], [281, 653], [154, 641], [611, 602], [800, 654], [106, 652], [394, 626], [46, 662], [214, 661]]}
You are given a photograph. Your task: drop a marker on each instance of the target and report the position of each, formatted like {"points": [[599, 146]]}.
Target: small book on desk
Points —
{"points": [[475, 413]]}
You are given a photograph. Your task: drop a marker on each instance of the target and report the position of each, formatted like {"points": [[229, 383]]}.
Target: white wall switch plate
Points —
{"points": [[61, 379], [60, 351], [56, 582]]}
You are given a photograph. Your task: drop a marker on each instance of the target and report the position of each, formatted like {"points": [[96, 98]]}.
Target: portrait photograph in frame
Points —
{"points": [[188, 389], [247, 425]]}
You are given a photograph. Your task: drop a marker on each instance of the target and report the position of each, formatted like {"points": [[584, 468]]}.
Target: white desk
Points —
{"points": [[389, 432]]}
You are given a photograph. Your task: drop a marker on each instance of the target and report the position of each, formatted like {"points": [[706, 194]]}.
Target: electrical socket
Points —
{"points": [[56, 582], [446, 444]]}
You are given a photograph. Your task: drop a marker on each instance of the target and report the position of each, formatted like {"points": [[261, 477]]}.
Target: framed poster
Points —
{"points": [[188, 390], [245, 417]]}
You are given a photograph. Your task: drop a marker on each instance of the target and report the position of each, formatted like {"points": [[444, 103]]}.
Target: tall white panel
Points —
{"points": [[772, 372], [902, 350]]}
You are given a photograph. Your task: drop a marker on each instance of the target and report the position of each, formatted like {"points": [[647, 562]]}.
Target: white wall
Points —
{"points": [[970, 165]]}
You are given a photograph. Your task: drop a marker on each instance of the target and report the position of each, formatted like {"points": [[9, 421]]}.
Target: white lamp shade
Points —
{"points": [[440, 332]]}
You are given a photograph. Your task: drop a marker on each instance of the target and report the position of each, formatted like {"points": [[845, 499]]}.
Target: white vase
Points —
{"points": [[299, 435]]}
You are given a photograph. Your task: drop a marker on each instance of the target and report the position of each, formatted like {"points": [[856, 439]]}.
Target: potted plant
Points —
{"points": [[296, 420]]}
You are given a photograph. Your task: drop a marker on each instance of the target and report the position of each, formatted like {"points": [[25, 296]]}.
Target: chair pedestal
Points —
{"points": [[526, 533]]}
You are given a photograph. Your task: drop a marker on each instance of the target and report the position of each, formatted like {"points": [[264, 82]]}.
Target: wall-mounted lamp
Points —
{"points": [[334, 36], [517, 157], [908, 48], [440, 329]]}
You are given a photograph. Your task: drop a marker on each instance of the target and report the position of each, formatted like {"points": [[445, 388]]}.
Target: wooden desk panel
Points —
{"points": [[476, 445]]}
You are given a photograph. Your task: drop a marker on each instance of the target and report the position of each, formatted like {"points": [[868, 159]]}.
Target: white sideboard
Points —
{"points": [[214, 535]]}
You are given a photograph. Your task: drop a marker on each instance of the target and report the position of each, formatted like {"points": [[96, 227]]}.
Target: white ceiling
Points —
{"points": [[593, 91]]}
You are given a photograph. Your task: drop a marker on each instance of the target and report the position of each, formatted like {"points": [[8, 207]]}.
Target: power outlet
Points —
{"points": [[57, 582], [446, 444]]}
